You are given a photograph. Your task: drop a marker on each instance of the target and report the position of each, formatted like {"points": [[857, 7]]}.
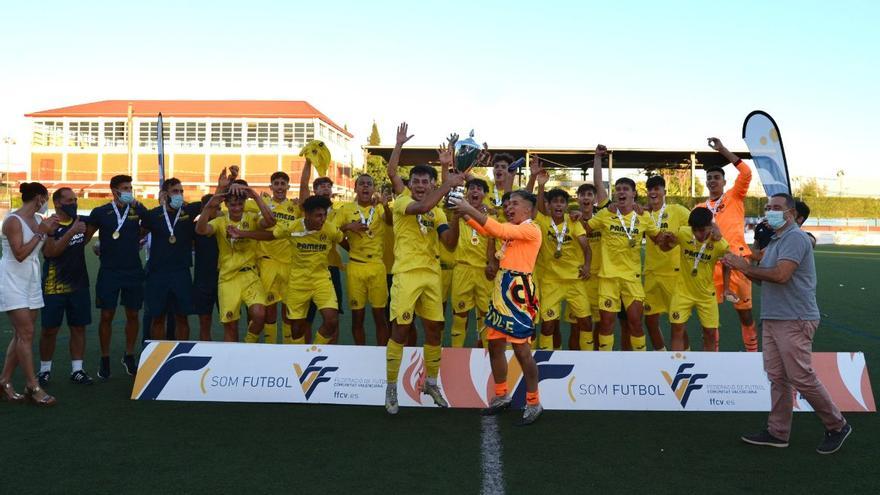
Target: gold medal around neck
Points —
{"points": [[172, 239], [499, 255], [370, 233], [423, 229], [558, 254], [694, 272], [115, 234], [475, 241], [632, 243]]}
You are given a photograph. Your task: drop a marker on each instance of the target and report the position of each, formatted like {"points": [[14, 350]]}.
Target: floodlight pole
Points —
{"points": [[610, 172], [693, 174]]}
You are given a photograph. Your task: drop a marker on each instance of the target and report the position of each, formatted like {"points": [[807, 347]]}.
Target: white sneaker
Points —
{"points": [[531, 414], [496, 405], [391, 398], [433, 390]]}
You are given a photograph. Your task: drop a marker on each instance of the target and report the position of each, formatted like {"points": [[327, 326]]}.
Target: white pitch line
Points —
{"points": [[490, 450]]}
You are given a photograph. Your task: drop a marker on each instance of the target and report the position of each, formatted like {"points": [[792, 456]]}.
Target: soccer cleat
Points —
{"points": [[129, 364], [433, 390], [104, 369], [834, 440], [80, 377], [43, 377], [497, 405], [391, 398], [531, 414], [764, 438]]}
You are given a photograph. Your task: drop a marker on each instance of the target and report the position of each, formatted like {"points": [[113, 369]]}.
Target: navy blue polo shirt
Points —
{"points": [[165, 256], [122, 253]]}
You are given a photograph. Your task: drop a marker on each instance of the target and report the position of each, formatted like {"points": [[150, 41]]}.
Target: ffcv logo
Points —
{"points": [[684, 382], [313, 374]]}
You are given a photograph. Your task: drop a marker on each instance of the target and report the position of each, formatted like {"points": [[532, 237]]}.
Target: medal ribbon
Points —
{"points": [[632, 224]]}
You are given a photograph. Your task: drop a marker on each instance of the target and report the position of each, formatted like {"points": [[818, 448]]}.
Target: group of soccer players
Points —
{"points": [[411, 253]]}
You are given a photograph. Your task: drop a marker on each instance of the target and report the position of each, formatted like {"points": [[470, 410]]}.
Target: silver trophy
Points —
{"points": [[466, 153]]}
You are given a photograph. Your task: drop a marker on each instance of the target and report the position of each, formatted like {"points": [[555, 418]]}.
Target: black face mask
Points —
{"points": [[69, 210]]}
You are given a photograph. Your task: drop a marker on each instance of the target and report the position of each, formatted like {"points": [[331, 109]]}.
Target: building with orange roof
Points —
{"points": [[83, 146]]}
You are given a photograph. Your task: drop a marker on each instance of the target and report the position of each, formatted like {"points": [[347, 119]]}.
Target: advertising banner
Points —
{"points": [[569, 380]]}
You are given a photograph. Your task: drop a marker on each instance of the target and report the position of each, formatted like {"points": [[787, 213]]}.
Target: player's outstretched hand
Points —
{"points": [[715, 143], [735, 262], [402, 131], [601, 150], [583, 272]]}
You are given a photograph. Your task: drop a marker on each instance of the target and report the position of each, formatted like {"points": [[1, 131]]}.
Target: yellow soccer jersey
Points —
{"points": [[471, 248], [595, 240], [333, 255], [285, 214], [309, 248], [235, 254], [414, 249], [362, 246], [447, 257], [567, 266], [702, 285], [621, 253], [658, 261]]}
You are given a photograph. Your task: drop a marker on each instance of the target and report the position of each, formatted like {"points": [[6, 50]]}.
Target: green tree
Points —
{"points": [[377, 167], [810, 188], [374, 139]]}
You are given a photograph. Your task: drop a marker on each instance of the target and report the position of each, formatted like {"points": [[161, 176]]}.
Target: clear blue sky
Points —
{"points": [[627, 74]]}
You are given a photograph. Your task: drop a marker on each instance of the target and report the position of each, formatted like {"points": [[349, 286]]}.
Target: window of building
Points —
{"points": [[115, 134], [190, 134], [226, 134], [147, 135], [48, 133], [296, 134], [83, 134], [262, 134]]}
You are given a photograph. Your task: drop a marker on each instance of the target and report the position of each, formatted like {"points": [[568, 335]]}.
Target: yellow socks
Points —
{"points": [[638, 343], [545, 342], [459, 330], [585, 339], [286, 336], [606, 342], [393, 355], [320, 339], [432, 360], [270, 333], [301, 340], [251, 338]]}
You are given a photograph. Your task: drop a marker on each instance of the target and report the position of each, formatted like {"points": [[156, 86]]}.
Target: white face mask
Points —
{"points": [[44, 209]]}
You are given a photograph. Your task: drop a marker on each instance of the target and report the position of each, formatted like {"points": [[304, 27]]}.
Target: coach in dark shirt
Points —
{"points": [[168, 283], [120, 275], [205, 279]]}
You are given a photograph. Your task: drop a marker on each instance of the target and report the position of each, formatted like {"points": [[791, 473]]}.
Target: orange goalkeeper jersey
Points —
{"points": [[729, 211]]}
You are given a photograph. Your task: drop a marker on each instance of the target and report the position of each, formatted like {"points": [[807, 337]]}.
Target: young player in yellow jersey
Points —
{"points": [[419, 227], [273, 258], [323, 186], [565, 261], [661, 267], [367, 219], [620, 272], [473, 274], [238, 281], [701, 247]]}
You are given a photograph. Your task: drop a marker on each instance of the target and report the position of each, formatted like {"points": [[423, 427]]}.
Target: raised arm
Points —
{"points": [[588, 255], [449, 237], [304, 178], [396, 182], [435, 196], [203, 226], [543, 177], [267, 218], [601, 193]]}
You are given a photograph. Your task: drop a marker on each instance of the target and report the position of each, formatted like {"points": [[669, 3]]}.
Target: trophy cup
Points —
{"points": [[466, 153]]}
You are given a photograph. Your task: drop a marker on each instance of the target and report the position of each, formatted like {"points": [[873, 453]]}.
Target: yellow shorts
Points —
{"points": [[245, 288], [573, 292], [658, 292], [739, 284], [612, 290], [367, 283], [470, 289], [592, 284], [681, 305], [301, 293], [416, 292], [446, 278], [273, 275]]}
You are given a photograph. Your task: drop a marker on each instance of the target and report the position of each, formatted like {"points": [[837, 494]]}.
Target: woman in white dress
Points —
{"points": [[20, 288]]}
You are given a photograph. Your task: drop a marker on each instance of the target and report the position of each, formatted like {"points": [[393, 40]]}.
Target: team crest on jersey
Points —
{"points": [[607, 303], [551, 313], [675, 315], [229, 314], [322, 237], [353, 302], [271, 297], [460, 304], [647, 307], [406, 316], [245, 225]]}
